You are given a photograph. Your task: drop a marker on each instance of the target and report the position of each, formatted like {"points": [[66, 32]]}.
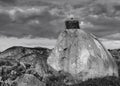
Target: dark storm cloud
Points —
{"points": [[34, 25], [8, 1], [103, 26], [29, 21], [80, 1], [19, 23], [41, 26], [4, 19]]}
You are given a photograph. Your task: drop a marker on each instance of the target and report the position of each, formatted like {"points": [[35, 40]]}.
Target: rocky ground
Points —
{"points": [[22, 66]]}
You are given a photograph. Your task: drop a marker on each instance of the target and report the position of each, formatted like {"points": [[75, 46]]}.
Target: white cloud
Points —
{"points": [[111, 41], [6, 42], [111, 44], [14, 12]]}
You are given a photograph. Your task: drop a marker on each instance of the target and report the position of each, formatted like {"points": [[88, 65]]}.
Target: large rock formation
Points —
{"points": [[82, 55], [23, 72]]}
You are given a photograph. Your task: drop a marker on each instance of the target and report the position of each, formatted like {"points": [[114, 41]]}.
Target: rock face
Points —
{"points": [[82, 55], [21, 66]]}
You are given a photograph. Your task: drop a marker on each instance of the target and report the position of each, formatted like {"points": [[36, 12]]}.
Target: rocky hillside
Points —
{"points": [[22, 61], [18, 52], [22, 66]]}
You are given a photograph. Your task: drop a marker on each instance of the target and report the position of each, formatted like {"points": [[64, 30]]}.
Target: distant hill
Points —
{"points": [[18, 52]]}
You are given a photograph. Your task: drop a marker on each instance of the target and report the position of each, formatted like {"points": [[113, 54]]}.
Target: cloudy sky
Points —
{"points": [[36, 23]]}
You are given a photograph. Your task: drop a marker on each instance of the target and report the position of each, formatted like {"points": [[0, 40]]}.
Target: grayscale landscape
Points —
{"points": [[35, 46]]}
